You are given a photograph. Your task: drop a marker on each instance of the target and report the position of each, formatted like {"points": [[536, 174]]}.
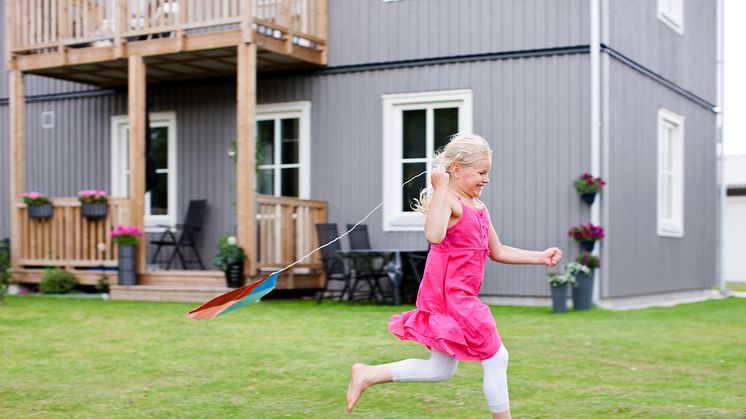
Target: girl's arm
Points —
{"points": [[439, 212], [506, 254]]}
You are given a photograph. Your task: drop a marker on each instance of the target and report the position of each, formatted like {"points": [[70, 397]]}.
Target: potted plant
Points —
{"points": [[587, 235], [559, 282], [93, 203], [588, 186], [39, 206], [230, 259], [582, 291], [127, 239]]}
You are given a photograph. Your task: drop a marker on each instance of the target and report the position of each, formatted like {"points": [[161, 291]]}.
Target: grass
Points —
{"points": [[86, 358]]}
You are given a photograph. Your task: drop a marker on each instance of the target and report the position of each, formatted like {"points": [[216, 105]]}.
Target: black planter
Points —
{"points": [[589, 197], [95, 210], [127, 264], [587, 245], [234, 275], [559, 297], [40, 212], [582, 292]]}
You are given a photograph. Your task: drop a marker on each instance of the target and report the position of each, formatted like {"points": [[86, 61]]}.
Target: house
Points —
{"points": [[734, 219], [625, 90]]}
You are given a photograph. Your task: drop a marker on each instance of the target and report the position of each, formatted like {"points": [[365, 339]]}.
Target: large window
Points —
{"points": [[670, 174], [415, 126], [160, 202], [283, 149], [671, 12]]}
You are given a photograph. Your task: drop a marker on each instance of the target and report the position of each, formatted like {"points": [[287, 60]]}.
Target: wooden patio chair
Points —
{"points": [[183, 236], [334, 266]]}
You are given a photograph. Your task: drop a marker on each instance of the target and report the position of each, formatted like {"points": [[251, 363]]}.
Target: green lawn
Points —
{"points": [[86, 358]]}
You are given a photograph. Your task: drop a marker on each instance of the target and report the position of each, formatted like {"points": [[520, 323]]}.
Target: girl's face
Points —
{"points": [[471, 179]]}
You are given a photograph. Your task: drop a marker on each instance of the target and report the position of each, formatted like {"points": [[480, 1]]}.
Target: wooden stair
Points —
{"points": [[198, 286]]}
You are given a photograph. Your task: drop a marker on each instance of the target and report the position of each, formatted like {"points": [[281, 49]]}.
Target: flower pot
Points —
{"points": [[588, 197], [587, 245], [94, 210], [40, 212], [582, 292], [127, 264], [559, 297], [234, 275]]}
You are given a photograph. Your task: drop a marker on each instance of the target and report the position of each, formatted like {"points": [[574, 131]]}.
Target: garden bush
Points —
{"points": [[57, 281]]}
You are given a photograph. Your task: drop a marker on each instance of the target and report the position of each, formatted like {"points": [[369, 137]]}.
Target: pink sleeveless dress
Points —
{"points": [[449, 316]]}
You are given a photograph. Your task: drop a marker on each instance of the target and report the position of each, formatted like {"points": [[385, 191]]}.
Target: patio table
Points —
{"points": [[379, 263]]}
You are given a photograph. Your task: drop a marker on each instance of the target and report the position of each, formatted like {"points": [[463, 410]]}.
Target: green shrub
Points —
{"points": [[4, 274], [57, 281]]}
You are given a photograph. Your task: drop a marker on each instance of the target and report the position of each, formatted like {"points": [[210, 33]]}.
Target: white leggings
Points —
{"points": [[441, 367]]}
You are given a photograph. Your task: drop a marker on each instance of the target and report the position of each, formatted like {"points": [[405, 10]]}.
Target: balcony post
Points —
{"points": [[245, 153], [322, 27], [136, 111], [17, 157]]}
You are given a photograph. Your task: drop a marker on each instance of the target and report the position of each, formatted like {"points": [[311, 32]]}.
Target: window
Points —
{"points": [[160, 202], [670, 174], [671, 12], [414, 126], [283, 149]]}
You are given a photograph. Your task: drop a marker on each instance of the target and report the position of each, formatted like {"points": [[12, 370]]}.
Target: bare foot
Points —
{"points": [[357, 385]]}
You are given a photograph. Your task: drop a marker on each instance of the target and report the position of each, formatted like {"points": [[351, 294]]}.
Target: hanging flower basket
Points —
{"points": [[587, 235], [588, 186], [40, 212], [95, 210], [39, 206], [587, 245], [93, 204]]}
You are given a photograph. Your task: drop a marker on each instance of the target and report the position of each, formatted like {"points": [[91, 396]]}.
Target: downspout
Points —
{"points": [[720, 148], [595, 103]]}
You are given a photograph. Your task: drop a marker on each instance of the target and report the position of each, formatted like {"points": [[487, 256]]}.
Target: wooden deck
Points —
{"points": [[285, 228], [90, 41]]}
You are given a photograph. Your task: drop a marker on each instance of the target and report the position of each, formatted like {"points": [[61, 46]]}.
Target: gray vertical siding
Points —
{"points": [[641, 262], [366, 31], [532, 111], [4, 174], [687, 59]]}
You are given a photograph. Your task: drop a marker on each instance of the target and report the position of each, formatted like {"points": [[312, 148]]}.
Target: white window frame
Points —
{"points": [[120, 175], [394, 219], [302, 111], [673, 226], [671, 12]]}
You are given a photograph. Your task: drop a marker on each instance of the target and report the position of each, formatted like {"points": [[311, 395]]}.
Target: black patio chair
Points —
{"points": [[358, 237], [414, 269], [367, 270], [334, 265], [183, 236]]}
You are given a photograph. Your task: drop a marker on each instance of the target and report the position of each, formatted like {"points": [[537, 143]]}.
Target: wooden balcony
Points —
{"points": [[285, 232], [90, 40]]}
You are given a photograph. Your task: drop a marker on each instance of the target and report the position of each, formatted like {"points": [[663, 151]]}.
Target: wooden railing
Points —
{"points": [[68, 239], [39, 25], [286, 231]]}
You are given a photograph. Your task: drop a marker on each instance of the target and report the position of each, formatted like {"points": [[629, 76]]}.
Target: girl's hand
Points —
{"points": [[551, 256], [439, 178]]}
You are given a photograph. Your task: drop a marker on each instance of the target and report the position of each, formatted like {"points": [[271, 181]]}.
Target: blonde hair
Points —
{"points": [[462, 148]]}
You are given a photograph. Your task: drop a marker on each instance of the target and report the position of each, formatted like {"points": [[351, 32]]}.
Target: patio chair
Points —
{"points": [[358, 237], [183, 236], [367, 270], [334, 265]]}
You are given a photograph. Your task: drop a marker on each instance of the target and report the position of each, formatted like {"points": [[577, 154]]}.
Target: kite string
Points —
{"points": [[343, 234]]}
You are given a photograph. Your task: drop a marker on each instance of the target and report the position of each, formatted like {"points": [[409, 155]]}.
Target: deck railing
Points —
{"points": [[51, 25], [286, 231], [68, 239]]}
